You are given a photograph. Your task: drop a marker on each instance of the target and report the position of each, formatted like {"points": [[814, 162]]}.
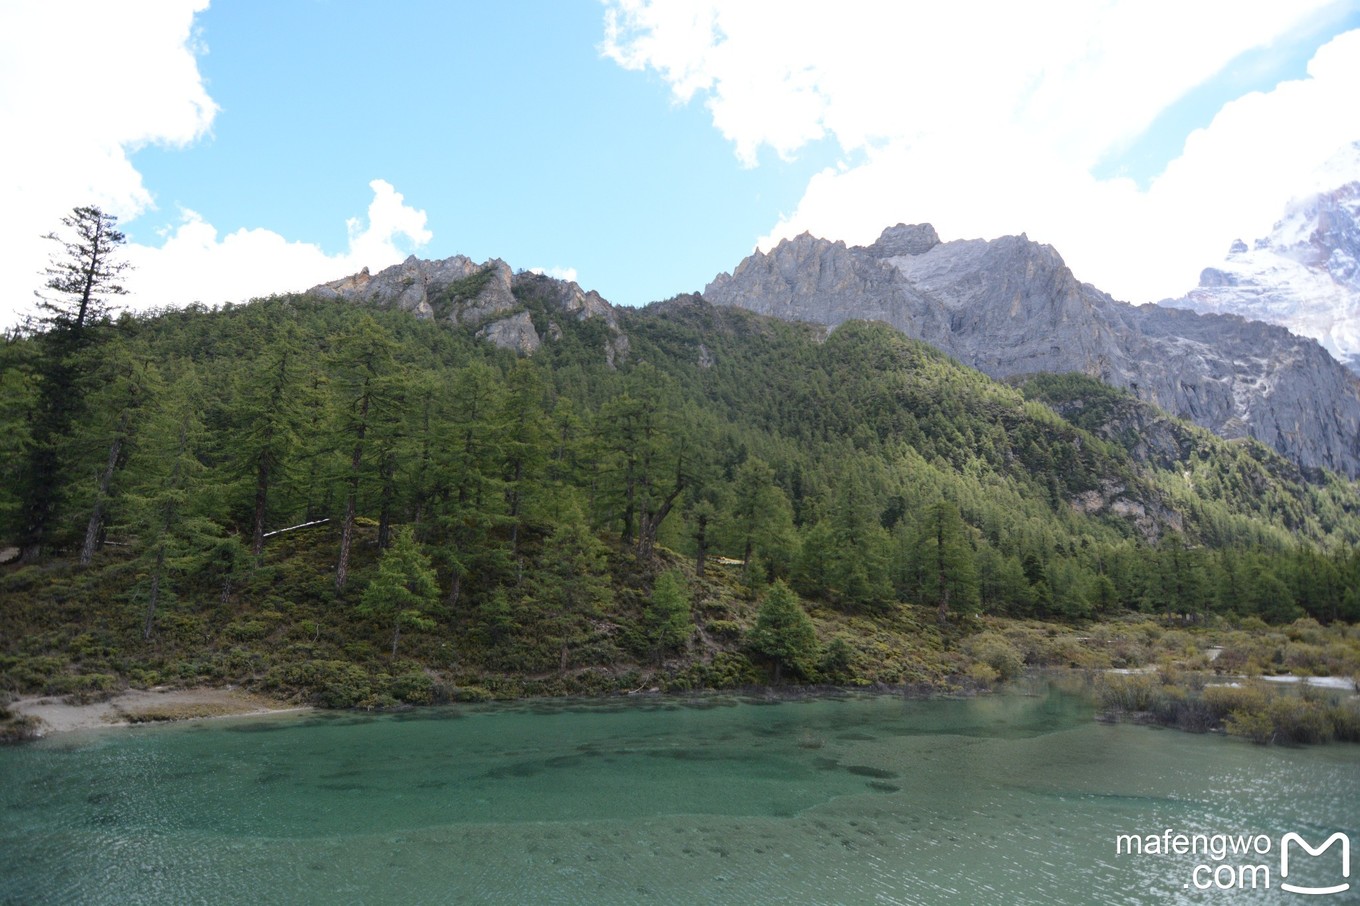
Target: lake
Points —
{"points": [[1016, 798]]}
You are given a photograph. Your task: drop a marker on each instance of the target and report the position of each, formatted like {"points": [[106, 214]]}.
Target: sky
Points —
{"points": [[641, 148]]}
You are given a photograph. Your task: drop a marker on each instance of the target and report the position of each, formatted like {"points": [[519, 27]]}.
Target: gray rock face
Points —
{"points": [[406, 286], [493, 299], [1011, 307], [515, 333], [488, 297]]}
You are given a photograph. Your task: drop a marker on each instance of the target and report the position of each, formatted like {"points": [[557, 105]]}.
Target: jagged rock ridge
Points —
{"points": [[1011, 307], [487, 297]]}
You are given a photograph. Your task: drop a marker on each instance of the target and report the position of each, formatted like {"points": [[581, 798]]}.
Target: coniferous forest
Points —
{"points": [[355, 506]]}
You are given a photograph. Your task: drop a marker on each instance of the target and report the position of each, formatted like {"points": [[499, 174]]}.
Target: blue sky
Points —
{"points": [[520, 141], [642, 147]]}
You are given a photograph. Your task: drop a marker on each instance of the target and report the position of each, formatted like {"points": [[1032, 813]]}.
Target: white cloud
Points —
{"points": [[82, 84], [559, 273], [194, 265], [85, 83], [987, 118]]}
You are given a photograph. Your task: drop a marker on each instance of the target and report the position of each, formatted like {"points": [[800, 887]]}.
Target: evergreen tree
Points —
{"points": [[784, 632], [404, 592], [522, 444], [118, 410], [573, 584], [269, 409], [80, 279], [949, 573], [857, 558], [83, 275], [667, 616], [363, 363], [467, 505], [169, 510], [759, 520]]}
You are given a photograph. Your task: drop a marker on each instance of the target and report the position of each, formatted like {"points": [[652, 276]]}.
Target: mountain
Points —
{"points": [[497, 304], [241, 491], [1010, 307], [1305, 275]]}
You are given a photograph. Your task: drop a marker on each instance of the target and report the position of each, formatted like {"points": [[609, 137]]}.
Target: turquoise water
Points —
{"points": [[1015, 798]]}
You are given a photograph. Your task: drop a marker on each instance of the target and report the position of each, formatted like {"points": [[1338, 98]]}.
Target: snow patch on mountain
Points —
{"points": [[1306, 274]]}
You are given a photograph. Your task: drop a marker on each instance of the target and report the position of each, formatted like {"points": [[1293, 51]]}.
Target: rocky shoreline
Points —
{"points": [[58, 714]]}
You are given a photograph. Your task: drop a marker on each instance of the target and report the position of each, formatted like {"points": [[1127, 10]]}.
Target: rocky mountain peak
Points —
{"points": [[488, 297], [1011, 307], [904, 239]]}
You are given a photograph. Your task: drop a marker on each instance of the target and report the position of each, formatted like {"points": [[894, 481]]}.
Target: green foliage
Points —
{"points": [[667, 617], [572, 588], [403, 593], [559, 502], [784, 633]]}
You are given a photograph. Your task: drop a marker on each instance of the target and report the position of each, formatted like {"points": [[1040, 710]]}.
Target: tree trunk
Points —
{"points": [[97, 514], [389, 494], [153, 596], [261, 507], [346, 540], [701, 541], [651, 522], [351, 502]]}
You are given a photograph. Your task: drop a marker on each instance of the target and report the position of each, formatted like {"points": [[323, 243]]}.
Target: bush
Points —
{"points": [[331, 684], [246, 630], [412, 688], [20, 728], [993, 650], [725, 630], [982, 675]]}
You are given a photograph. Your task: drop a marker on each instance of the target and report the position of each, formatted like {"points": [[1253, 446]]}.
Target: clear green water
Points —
{"points": [[1014, 799]]}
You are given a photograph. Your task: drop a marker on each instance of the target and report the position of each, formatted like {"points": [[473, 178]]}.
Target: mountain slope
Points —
{"points": [[543, 495], [1011, 307]]}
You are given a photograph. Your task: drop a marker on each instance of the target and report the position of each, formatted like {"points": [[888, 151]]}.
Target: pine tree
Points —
{"points": [[269, 410], [573, 584], [84, 274], [405, 591], [949, 572], [784, 632], [80, 279], [759, 520], [168, 507], [363, 362], [667, 616], [119, 409]]}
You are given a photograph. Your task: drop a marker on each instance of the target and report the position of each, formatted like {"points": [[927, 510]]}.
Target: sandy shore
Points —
{"points": [[136, 706]]}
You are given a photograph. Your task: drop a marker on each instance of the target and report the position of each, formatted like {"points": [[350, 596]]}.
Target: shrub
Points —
{"points": [[725, 630], [994, 651], [412, 688], [331, 684], [982, 675]]}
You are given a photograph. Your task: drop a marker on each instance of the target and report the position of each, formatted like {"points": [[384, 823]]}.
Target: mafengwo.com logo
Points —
{"points": [[1337, 837], [1244, 861]]}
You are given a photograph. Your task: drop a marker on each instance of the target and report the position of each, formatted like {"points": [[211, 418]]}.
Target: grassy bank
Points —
{"points": [[282, 631]]}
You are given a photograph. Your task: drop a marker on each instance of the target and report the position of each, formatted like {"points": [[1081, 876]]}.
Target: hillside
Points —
{"points": [[473, 518], [1011, 307]]}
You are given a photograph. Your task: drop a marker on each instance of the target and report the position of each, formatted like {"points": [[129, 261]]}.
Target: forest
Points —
{"points": [[354, 505]]}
